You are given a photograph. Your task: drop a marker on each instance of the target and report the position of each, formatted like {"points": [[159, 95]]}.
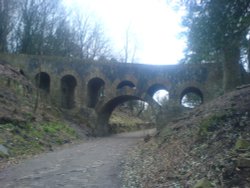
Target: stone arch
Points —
{"points": [[125, 87], [194, 90], [68, 84], [125, 83], [158, 93], [154, 88], [95, 91], [43, 81], [106, 110], [124, 80]]}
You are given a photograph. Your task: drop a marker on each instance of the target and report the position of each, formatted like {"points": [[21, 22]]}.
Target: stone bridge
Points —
{"points": [[101, 86]]}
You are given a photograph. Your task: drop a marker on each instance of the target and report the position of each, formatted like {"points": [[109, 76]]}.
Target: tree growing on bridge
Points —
{"points": [[217, 31]]}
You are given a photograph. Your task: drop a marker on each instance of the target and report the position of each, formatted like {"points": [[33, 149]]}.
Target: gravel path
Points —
{"points": [[93, 164]]}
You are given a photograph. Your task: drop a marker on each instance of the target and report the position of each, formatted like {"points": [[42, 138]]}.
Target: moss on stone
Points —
{"points": [[203, 183], [23, 139], [210, 124], [242, 144]]}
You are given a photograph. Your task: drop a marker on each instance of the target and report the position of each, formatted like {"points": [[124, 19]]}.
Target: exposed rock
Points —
{"points": [[4, 150]]}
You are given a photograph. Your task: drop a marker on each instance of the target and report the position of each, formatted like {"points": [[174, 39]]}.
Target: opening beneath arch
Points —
{"points": [[159, 93], [191, 97], [43, 81], [68, 84], [125, 83], [127, 113], [95, 91], [161, 96], [22, 72], [125, 87]]}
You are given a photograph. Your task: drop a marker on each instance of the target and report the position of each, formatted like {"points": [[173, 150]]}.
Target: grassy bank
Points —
{"points": [[20, 140], [125, 122]]}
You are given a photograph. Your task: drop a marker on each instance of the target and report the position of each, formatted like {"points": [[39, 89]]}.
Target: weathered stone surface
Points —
{"points": [[203, 183], [4, 150]]}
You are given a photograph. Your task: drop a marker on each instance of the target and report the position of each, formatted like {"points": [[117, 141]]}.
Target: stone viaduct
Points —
{"points": [[101, 86]]}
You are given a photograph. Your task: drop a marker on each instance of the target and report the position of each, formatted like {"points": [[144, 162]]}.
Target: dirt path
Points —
{"points": [[92, 164]]}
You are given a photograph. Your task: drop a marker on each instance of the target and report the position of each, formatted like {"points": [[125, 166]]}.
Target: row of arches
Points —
{"points": [[190, 96], [95, 88], [67, 87], [68, 84]]}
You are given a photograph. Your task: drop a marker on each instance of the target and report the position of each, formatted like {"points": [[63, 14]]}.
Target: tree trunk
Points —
{"points": [[231, 67], [248, 55]]}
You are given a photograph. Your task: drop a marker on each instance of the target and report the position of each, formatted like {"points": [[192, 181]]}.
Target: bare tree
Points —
{"points": [[90, 38], [44, 27], [7, 9], [98, 44], [37, 18], [130, 47]]}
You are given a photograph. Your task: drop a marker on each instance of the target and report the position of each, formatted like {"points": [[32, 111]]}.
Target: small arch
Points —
{"points": [[126, 87], [154, 88], [68, 84], [43, 81], [95, 91], [125, 83], [22, 72], [191, 97], [159, 93]]}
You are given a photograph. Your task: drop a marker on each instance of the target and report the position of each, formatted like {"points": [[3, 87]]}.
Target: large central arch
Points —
{"points": [[103, 115]]}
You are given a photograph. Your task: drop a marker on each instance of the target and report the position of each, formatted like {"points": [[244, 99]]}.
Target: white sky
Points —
{"points": [[153, 27]]}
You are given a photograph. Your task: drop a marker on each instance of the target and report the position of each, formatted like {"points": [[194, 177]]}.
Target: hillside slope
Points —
{"points": [[28, 125], [207, 147]]}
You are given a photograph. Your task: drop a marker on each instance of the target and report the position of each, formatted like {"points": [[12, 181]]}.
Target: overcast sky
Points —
{"points": [[153, 27]]}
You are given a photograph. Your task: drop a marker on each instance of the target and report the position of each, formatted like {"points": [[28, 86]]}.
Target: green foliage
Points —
{"points": [[215, 24], [23, 139], [122, 122], [216, 33], [242, 144], [210, 124], [203, 183]]}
